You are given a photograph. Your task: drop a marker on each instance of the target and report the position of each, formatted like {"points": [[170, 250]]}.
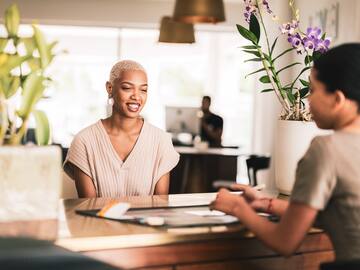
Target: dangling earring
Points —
{"points": [[110, 100]]}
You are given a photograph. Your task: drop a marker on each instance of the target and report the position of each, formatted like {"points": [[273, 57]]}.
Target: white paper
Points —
{"points": [[206, 213]]}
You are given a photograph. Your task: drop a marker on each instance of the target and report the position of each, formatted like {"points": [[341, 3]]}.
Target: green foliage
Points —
{"points": [[254, 27], [27, 82], [247, 34], [42, 131]]}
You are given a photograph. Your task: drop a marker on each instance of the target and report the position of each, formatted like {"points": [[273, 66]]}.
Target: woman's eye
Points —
{"points": [[144, 90]]}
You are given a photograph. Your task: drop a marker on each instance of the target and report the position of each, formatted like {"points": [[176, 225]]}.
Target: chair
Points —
{"points": [[340, 265], [254, 163], [68, 188]]}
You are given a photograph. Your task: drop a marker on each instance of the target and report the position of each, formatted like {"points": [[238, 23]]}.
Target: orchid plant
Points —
{"points": [[310, 44]]}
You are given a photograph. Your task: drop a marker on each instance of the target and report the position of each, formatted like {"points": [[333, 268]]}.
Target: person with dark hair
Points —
{"points": [[211, 124], [327, 186]]}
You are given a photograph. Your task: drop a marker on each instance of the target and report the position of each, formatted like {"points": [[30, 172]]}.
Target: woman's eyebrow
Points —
{"points": [[145, 84]]}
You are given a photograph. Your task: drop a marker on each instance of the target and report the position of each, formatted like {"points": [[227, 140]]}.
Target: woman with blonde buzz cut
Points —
{"points": [[122, 155]]}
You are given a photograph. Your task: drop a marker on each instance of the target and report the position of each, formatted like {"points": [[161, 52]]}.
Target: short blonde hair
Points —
{"points": [[124, 65]]}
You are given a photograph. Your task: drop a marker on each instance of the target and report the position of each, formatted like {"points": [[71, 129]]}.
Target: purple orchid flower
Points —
{"points": [[322, 45], [296, 42], [313, 33], [309, 43], [290, 27], [266, 4], [249, 10]]}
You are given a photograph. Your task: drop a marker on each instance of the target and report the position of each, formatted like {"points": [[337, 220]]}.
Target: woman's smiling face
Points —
{"points": [[130, 93]]}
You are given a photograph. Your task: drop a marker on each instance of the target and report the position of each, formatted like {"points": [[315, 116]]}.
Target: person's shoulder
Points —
{"points": [[217, 119], [84, 134], [216, 116], [323, 144], [323, 140], [156, 131]]}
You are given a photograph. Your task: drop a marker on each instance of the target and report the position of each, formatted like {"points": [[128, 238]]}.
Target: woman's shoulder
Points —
{"points": [[155, 131], [88, 132]]}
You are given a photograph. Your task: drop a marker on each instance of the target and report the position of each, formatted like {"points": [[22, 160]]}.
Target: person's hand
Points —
{"points": [[227, 202], [254, 197], [249, 193]]}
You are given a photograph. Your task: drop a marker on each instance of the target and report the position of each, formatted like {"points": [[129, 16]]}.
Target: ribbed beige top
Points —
{"points": [[152, 156]]}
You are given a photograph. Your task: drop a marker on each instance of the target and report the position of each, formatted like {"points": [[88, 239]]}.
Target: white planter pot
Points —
{"points": [[292, 140], [30, 184]]}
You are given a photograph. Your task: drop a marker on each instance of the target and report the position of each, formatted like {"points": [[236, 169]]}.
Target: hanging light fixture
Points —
{"points": [[176, 32], [199, 11]]}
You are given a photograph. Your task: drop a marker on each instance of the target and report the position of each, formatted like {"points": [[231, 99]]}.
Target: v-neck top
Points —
{"points": [[152, 156]]}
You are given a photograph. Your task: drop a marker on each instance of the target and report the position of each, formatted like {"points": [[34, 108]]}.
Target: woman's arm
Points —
{"points": [[259, 202], [270, 205], [84, 184], [283, 237], [162, 186]]}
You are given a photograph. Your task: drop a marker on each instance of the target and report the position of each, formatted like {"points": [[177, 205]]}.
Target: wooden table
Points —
{"points": [[132, 246], [198, 169]]}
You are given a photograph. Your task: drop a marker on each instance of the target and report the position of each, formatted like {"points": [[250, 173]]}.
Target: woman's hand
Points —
{"points": [[227, 202], [255, 198]]}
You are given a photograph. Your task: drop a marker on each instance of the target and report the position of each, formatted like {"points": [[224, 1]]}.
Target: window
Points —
{"points": [[179, 75]]}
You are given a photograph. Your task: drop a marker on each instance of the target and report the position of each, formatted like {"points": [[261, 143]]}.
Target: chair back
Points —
{"points": [[255, 163]]}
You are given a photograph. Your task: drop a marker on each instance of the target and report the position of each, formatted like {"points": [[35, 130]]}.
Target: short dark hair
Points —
{"points": [[339, 69], [208, 98]]}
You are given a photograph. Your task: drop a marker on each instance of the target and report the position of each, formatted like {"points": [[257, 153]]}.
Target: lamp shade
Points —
{"points": [[199, 11], [176, 32]]}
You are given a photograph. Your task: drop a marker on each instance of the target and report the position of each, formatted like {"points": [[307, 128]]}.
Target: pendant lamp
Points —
{"points": [[199, 11], [176, 32]]}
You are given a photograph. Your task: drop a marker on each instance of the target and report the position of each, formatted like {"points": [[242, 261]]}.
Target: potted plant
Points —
{"points": [[30, 176], [295, 126]]}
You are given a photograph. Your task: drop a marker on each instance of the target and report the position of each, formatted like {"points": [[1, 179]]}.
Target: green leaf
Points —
{"points": [[304, 92], [30, 44], [267, 90], [316, 55], [273, 46], [42, 130], [42, 47], [304, 83], [308, 59], [253, 60], [12, 20], [284, 52], [256, 53], [34, 63], [10, 61], [32, 92], [259, 70], [323, 36], [288, 66], [250, 47], [13, 86], [255, 27], [3, 43], [291, 97], [298, 76], [246, 34], [265, 79]]}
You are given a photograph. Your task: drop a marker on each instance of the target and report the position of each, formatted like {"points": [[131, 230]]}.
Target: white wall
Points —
{"points": [[343, 15]]}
